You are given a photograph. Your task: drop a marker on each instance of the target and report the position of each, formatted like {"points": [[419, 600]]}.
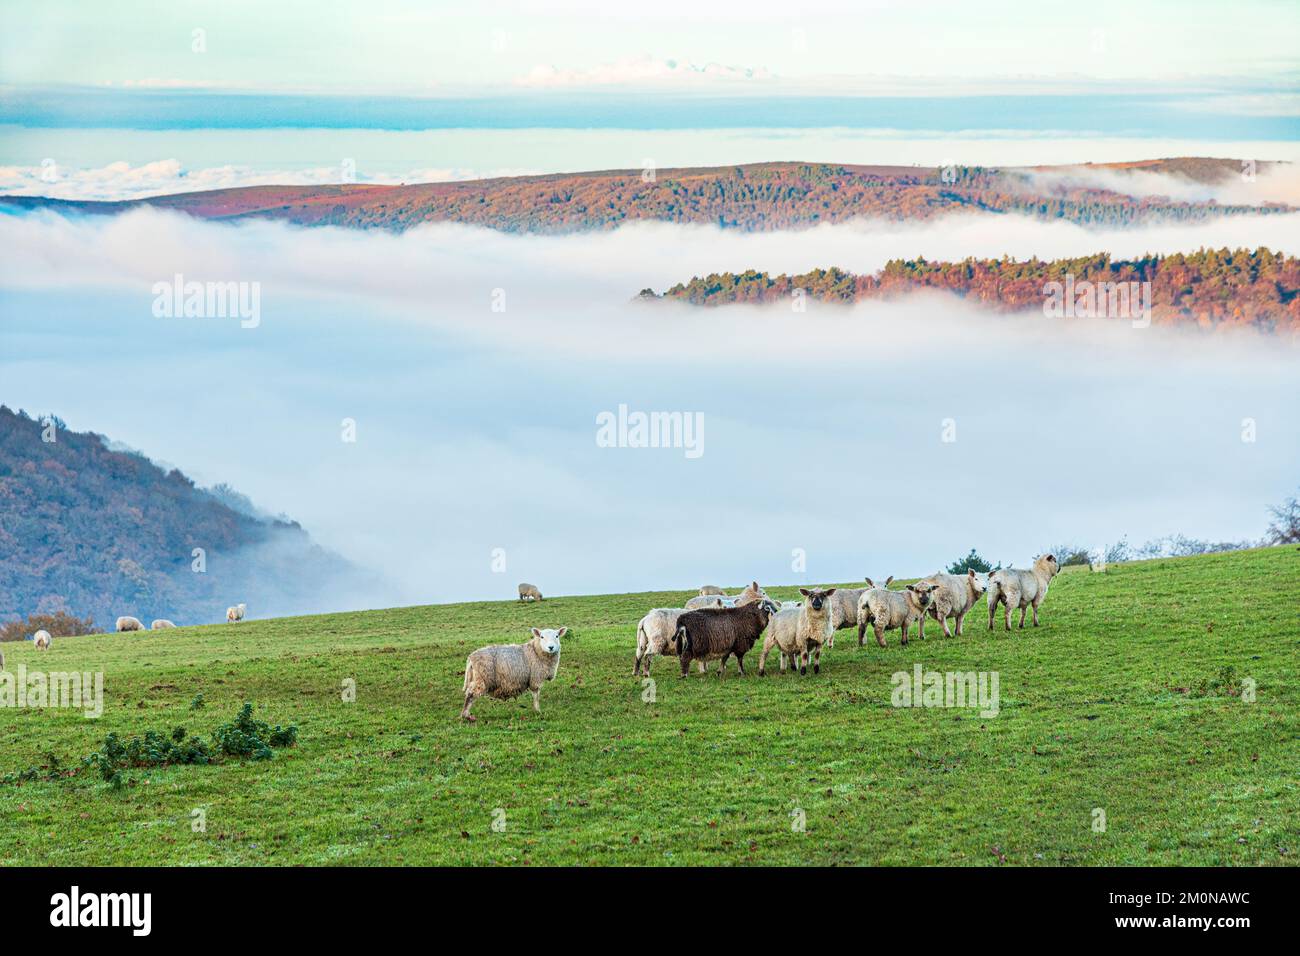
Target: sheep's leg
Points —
{"points": [[762, 657], [740, 663], [686, 665], [722, 667], [469, 702], [702, 667], [920, 625], [1022, 615], [817, 660], [960, 618], [537, 700], [993, 606], [862, 632], [1035, 607], [880, 634]]}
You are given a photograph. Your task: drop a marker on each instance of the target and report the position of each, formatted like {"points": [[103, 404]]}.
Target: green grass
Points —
{"points": [[1114, 702]]}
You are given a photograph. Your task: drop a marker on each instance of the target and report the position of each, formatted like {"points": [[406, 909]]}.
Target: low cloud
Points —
{"points": [[638, 70], [1252, 185], [476, 429]]}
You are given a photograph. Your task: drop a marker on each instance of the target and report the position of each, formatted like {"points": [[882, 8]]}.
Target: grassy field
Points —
{"points": [[1128, 698]]}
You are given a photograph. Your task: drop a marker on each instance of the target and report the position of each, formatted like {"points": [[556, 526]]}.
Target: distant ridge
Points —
{"points": [[758, 197]]}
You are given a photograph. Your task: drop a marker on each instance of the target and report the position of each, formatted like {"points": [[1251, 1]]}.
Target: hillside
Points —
{"points": [[1211, 288], [1162, 693], [93, 531], [759, 197]]}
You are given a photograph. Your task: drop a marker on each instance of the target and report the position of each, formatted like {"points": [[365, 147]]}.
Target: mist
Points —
{"points": [[887, 438]]}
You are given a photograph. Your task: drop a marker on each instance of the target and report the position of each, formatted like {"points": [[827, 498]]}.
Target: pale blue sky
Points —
{"points": [[403, 45]]}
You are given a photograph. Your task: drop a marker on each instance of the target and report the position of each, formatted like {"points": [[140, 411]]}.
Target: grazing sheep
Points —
{"points": [[1012, 587], [504, 671], [709, 600], [235, 613], [886, 610], [41, 640], [161, 624], [655, 634], [529, 592], [718, 634], [2, 660], [711, 589], [954, 596], [127, 623], [799, 633]]}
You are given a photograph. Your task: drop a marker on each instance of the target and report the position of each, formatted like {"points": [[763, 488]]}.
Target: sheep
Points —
{"points": [[1012, 587], [41, 640], [529, 592], [718, 634], [127, 623], [709, 600], [235, 613], [886, 610], [711, 589], [752, 594], [800, 633], [954, 596], [161, 624], [655, 634], [505, 671], [844, 610]]}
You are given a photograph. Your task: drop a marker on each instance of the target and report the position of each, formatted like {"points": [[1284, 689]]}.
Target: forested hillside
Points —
{"points": [[96, 532], [759, 197], [1209, 288]]}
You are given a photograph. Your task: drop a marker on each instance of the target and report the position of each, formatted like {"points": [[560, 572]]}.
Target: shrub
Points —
{"points": [[59, 624], [972, 562]]}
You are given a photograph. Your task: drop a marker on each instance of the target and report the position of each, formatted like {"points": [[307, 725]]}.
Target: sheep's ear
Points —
{"points": [[754, 585], [971, 572], [803, 591], [870, 583], [912, 588], [1051, 557], [888, 580], [536, 633], [829, 592], [561, 632]]}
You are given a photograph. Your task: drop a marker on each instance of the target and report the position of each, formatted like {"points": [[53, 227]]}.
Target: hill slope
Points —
{"points": [[758, 197], [93, 531], [1127, 699]]}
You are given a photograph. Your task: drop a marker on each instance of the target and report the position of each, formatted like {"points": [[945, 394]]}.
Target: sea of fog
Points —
{"points": [[475, 367]]}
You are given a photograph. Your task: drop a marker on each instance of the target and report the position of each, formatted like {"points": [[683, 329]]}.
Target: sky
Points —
{"points": [[412, 46]]}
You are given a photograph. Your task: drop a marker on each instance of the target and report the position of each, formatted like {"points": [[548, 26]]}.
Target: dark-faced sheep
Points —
{"points": [[710, 635], [885, 610], [504, 671], [799, 633]]}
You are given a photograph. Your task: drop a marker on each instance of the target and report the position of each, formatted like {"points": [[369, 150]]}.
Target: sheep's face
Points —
{"points": [[768, 606], [923, 592], [817, 598], [549, 639], [979, 582], [1049, 564]]}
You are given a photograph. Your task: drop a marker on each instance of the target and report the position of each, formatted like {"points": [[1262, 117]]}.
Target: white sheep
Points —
{"points": [[800, 632], [752, 594], [844, 610], [885, 610], [655, 634], [709, 600], [1012, 587], [161, 624], [504, 671], [954, 596], [41, 640], [128, 623], [711, 589], [235, 613], [529, 592]]}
